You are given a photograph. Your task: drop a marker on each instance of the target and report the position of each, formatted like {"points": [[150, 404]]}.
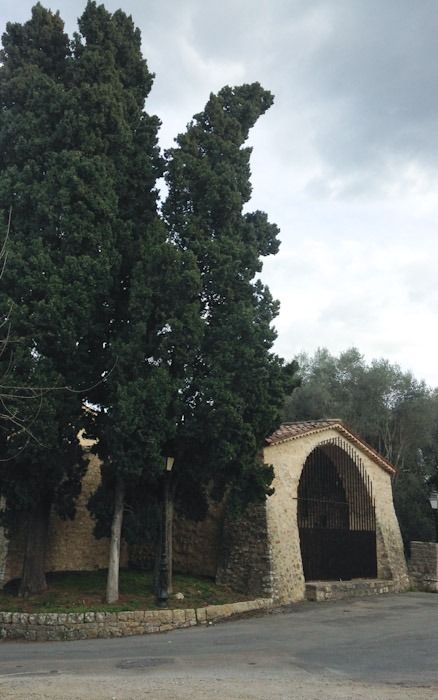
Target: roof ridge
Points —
{"points": [[296, 429]]}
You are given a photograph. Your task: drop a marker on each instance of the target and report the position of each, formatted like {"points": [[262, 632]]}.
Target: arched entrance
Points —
{"points": [[336, 515]]}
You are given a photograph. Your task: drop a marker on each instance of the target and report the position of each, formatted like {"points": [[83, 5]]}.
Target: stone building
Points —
{"points": [[331, 518]]}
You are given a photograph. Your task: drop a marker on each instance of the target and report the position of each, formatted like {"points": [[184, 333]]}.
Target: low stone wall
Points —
{"points": [[103, 625], [338, 590], [423, 566]]}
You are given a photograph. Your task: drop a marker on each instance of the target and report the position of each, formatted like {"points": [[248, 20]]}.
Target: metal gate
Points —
{"points": [[336, 515]]}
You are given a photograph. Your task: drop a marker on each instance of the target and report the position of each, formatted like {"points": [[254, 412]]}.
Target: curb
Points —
{"points": [[104, 625]]}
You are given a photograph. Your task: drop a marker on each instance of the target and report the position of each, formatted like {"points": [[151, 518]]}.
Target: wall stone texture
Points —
{"points": [[282, 542], [51, 627], [423, 566], [245, 555], [322, 590], [195, 546], [72, 545], [259, 555]]}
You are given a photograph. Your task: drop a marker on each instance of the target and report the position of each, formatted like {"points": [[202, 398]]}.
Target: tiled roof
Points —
{"points": [[293, 431], [289, 431]]}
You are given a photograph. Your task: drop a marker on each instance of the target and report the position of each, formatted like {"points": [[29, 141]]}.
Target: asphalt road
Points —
{"points": [[390, 639]]}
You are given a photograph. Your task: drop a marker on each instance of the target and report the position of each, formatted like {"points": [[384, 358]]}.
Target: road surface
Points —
{"points": [[379, 648]]}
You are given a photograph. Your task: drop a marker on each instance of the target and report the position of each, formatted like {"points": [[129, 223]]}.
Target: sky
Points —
{"points": [[345, 162]]}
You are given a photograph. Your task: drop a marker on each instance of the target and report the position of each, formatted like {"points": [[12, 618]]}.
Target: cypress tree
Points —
{"points": [[43, 283], [100, 301], [237, 384], [161, 325], [151, 312]]}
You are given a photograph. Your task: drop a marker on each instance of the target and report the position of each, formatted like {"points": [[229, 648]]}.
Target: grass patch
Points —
{"points": [[82, 591]]}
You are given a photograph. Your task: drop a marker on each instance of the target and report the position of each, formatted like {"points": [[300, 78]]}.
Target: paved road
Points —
{"points": [[391, 639]]}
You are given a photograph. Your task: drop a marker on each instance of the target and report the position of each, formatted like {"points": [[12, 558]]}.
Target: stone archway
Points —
{"points": [[336, 515], [264, 548]]}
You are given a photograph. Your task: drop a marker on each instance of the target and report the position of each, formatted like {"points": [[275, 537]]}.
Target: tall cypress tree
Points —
{"points": [[44, 281], [91, 276], [151, 313], [236, 385]]}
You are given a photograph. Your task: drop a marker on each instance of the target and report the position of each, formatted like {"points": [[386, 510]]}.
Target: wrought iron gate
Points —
{"points": [[336, 515]]}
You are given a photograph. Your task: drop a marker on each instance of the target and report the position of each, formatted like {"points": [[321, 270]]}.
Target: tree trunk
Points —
{"points": [[33, 580], [112, 585], [169, 535]]}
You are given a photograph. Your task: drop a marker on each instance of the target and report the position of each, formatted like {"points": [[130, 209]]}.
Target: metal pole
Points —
{"points": [[163, 573], [435, 515], [163, 578]]}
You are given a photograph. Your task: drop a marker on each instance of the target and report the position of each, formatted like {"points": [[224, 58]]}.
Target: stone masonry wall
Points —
{"points": [[102, 625], [423, 566], [391, 562], [288, 459], [13, 556], [260, 554], [244, 563], [71, 545], [339, 590], [285, 572], [195, 546]]}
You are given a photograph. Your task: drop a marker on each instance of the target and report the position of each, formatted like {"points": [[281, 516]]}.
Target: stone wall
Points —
{"points": [[244, 563], [195, 546], [102, 625], [423, 566], [339, 590], [280, 540], [391, 562], [71, 545], [259, 555], [282, 518]]}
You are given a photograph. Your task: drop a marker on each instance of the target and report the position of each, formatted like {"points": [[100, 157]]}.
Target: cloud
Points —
{"points": [[376, 73]]}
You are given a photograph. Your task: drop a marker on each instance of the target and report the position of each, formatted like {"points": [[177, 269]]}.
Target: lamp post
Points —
{"points": [[163, 575], [433, 498]]}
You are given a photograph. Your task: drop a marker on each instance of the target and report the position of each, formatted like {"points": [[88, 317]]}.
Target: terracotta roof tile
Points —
{"points": [[292, 431], [288, 431]]}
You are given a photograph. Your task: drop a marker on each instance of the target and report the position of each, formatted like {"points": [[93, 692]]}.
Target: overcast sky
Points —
{"points": [[345, 162]]}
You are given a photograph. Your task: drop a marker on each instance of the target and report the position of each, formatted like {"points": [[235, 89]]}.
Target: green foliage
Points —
{"points": [[101, 302], [159, 322], [151, 318], [390, 409], [411, 501], [235, 384], [43, 283]]}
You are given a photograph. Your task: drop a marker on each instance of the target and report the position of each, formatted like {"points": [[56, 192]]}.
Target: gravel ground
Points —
{"points": [[301, 686]]}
